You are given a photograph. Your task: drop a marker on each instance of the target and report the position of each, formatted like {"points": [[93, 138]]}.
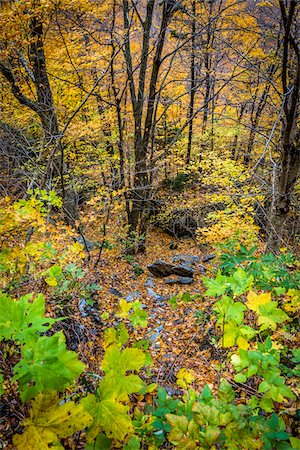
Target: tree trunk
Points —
{"points": [[193, 86], [289, 165]]}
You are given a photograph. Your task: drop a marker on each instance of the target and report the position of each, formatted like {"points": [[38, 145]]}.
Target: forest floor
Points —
{"points": [[181, 334]]}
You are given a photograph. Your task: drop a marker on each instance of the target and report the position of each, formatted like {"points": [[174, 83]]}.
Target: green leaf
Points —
{"points": [[23, 319], [270, 316], [134, 443], [240, 378], [229, 310], [226, 392], [241, 281], [120, 386], [113, 418], [295, 442], [121, 361], [101, 443], [216, 286], [46, 366]]}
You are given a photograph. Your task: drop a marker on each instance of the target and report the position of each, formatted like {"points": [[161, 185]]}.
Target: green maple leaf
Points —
{"points": [[229, 310], [269, 316], [120, 386], [46, 366], [110, 417], [216, 286], [241, 281], [24, 318], [121, 361]]}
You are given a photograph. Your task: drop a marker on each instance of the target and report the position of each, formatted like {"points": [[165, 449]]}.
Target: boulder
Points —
{"points": [[162, 269], [179, 280], [187, 259], [183, 222]]}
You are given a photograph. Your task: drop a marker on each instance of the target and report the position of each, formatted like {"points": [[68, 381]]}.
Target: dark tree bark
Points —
{"points": [[289, 164], [43, 105], [140, 192], [193, 85]]}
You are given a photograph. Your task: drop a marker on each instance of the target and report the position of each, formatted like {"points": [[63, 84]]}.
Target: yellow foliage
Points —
{"points": [[184, 378], [254, 300]]}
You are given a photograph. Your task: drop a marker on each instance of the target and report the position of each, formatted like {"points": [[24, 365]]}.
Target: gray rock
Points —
{"points": [[178, 321], [115, 292], [187, 259], [88, 245], [150, 282], [157, 297], [81, 306], [132, 296], [155, 333], [201, 268], [179, 280], [161, 268], [208, 258]]}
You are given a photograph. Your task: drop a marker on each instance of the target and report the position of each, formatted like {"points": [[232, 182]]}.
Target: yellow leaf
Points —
{"points": [[254, 300], [51, 281], [124, 308], [49, 421], [185, 377]]}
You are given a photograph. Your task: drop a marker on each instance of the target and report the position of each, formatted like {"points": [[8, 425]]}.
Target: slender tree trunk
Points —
{"points": [[192, 86]]}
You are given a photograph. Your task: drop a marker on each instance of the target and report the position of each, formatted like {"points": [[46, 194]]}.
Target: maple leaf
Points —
{"points": [[49, 421], [254, 300], [270, 316], [184, 378]]}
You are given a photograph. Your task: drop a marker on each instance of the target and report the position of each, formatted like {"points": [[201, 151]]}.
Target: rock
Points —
{"points": [[143, 306], [115, 292], [132, 296], [208, 258], [157, 297], [178, 321], [161, 268], [88, 245], [82, 307], [155, 333], [187, 259], [201, 268], [150, 282], [87, 310], [179, 280], [183, 222]]}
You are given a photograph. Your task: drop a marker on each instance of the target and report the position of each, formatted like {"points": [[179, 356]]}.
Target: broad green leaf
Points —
{"points": [[24, 318], [241, 281], [120, 386], [216, 286], [134, 443], [121, 361], [226, 392], [229, 310], [240, 378], [46, 365], [270, 316], [295, 442], [101, 443]]}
